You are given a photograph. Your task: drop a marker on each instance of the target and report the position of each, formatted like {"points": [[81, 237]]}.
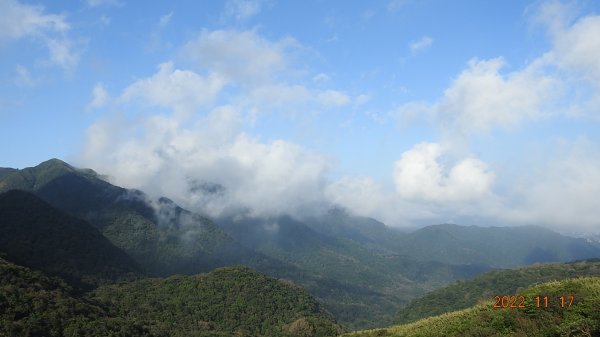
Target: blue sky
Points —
{"points": [[412, 112]]}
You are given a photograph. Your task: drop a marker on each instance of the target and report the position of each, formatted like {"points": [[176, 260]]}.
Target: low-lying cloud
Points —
{"points": [[187, 139]]}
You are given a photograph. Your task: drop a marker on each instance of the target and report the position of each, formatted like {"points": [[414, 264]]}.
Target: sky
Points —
{"points": [[410, 112]]}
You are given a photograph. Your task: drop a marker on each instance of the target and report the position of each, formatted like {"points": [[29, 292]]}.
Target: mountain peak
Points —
{"points": [[55, 163]]}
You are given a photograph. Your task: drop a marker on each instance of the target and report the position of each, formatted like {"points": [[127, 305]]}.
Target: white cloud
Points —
{"points": [[18, 21], [242, 9], [575, 47], [62, 53], [333, 98], [363, 196], [165, 19], [242, 57], [482, 98], [424, 43], [182, 90], [99, 97], [420, 174], [565, 80], [166, 158]]}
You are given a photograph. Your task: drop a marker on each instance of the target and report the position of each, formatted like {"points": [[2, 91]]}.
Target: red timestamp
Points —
{"points": [[518, 302]]}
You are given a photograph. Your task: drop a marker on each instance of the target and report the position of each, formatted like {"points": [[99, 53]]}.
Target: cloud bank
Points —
{"points": [[185, 136]]}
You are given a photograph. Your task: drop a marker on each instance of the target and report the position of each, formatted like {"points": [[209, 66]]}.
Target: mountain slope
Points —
{"points": [[33, 304], [357, 283], [229, 301], [226, 302], [162, 237], [34, 234], [581, 319], [464, 294], [498, 247]]}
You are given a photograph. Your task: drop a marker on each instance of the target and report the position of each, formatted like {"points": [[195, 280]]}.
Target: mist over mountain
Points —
{"points": [[360, 269]]}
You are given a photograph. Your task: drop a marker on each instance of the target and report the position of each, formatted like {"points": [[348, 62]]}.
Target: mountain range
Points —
{"points": [[361, 271]]}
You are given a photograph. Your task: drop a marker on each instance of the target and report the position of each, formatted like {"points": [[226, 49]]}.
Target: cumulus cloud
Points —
{"points": [[489, 94], [182, 90], [196, 149], [420, 174], [482, 98], [244, 56], [211, 174], [189, 146], [19, 21]]}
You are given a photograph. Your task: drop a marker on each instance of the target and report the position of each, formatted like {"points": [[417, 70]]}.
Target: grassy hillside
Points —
{"points": [[464, 294], [34, 234], [581, 319]]}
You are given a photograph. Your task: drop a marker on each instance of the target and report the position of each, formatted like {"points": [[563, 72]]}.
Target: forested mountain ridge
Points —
{"points": [[36, 235], [497, 247], [351, 278], [162, 237], [226, 302], [232, 301], [365, 284], [361, 270]]}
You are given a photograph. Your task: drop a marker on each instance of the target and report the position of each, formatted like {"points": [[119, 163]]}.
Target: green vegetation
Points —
{"points": [[32, 304], [581, 319], [160, 236], [233, 301], [361, 270], [464, 294], [34, 234], [360, 285]]}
